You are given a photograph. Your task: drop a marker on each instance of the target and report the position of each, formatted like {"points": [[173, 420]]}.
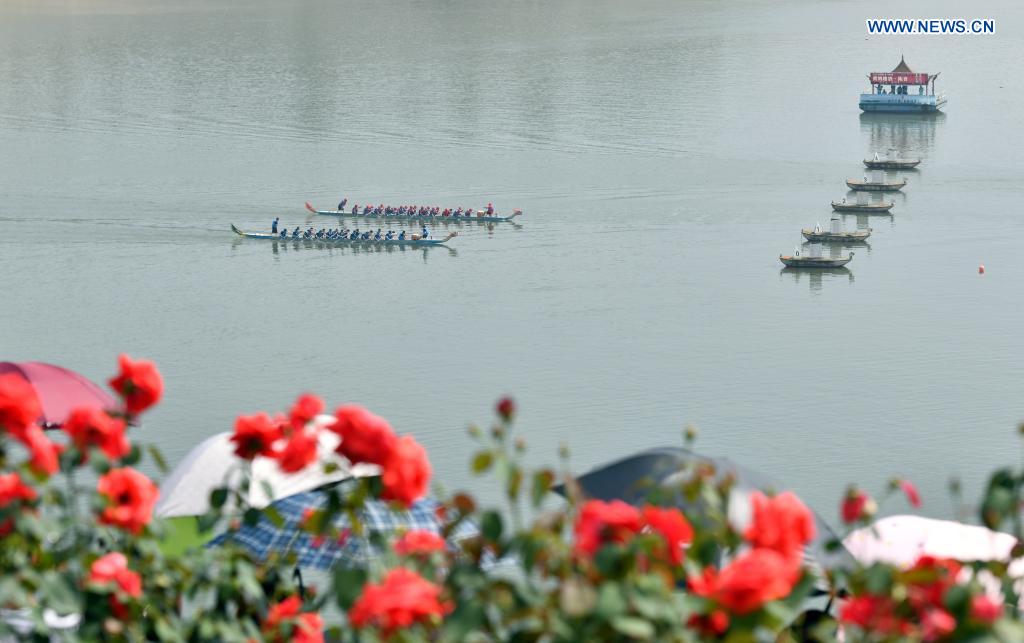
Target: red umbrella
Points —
{"points": [[59, 390]]}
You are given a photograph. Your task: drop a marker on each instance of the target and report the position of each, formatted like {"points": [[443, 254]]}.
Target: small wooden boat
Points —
{"points": [[891, 162], [835, 234], [878, 183], [480, 216], [866, 208], [800, 261], [876, 186], [347, 242]]}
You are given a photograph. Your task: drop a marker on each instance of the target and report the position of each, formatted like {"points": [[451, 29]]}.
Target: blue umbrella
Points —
{"points": [[265, 538]]}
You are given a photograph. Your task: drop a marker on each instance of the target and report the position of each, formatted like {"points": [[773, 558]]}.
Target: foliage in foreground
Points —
{"points": [[77, 537]]}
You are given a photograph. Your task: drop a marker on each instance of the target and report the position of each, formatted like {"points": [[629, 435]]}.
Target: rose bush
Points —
{"points": [[78, 540]]}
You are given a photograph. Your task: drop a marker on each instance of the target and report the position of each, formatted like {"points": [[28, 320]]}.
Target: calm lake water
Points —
{"points": [[664, 152]]}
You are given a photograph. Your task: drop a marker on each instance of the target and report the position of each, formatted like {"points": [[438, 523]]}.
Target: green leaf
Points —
{"points": [[491, 525], [610, 601], [133, 456], [218, 497], [251, 517], [348, 585], [158, 459], [633, 627], [274, 516], [542, 481], [482, 461]]}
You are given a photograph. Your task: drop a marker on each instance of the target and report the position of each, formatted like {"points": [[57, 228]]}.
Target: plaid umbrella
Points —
{"points": [[265, 538]]}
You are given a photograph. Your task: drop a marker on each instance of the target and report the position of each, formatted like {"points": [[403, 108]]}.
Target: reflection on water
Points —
{"points": [[296, 245], [911, 134], [816, 277]]}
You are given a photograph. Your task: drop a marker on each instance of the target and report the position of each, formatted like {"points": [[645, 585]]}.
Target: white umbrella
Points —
{"points": [[900, 540], [212, 463]]}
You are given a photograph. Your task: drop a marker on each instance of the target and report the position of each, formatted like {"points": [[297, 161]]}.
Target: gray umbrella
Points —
{"points": [[634, 478]]}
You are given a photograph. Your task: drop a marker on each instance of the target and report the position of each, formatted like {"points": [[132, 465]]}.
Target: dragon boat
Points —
{"points": [[416, 241], [481, 216]]}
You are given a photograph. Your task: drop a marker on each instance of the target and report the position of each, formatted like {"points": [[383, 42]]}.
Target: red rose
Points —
{"points": [[673, 528], [937, 624], [600, 523], [12, 489], [875, 614], [19, 406], [93, 427], [711, 625], [299, 450], [402, 599], [910, 491], [113, 569], [929, 579], [306, 627], [255, 435], [406, 472], [781, 523], [44, 452], [139, 383], [130, 497], [365, 437], [506, 408], [748, 582], [985, 609], [306, 408], [857, 505], [419, 543]]}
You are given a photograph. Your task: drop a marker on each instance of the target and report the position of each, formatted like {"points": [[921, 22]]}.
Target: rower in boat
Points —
{"points": [[341, 205], [273, 226], [354, 235], [401, 235], [377, 237], [355, 208], [490, 209], [284, 234], [295, 233], [426, 233]]}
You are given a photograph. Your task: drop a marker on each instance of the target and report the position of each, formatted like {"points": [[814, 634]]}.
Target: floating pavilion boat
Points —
{"points": [[876, 184], [835, 233], [481, 216], [415, 240], [814, 259], [891, 92], [891, 162], [862, 205]]}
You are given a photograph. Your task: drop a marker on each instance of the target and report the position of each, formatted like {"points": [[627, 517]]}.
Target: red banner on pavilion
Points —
{"points": [[898, 78]]}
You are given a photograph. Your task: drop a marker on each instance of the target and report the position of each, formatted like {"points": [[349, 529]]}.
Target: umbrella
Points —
{"points": [[377, 517], [631, 479], [213, 463], [58, 389], [900, 540]]}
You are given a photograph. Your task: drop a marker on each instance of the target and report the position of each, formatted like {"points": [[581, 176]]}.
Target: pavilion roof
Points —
{"points": [[902, 67]]}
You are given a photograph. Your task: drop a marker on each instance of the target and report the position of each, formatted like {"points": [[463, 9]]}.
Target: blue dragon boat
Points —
{"points": [[892, 92], [480, 216], [415, 240]]}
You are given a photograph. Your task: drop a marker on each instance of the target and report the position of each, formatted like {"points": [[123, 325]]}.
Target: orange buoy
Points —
{"points": [[981, 269]]}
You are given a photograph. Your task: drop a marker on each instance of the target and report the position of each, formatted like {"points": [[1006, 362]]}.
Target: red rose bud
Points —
{"points": [[857, 506], [506, 408]]}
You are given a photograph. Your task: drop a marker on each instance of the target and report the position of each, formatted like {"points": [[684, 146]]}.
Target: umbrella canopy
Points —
{"points": [[213, 463], [58, 389], [376, 517], [631, 479], [901, 540]]}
